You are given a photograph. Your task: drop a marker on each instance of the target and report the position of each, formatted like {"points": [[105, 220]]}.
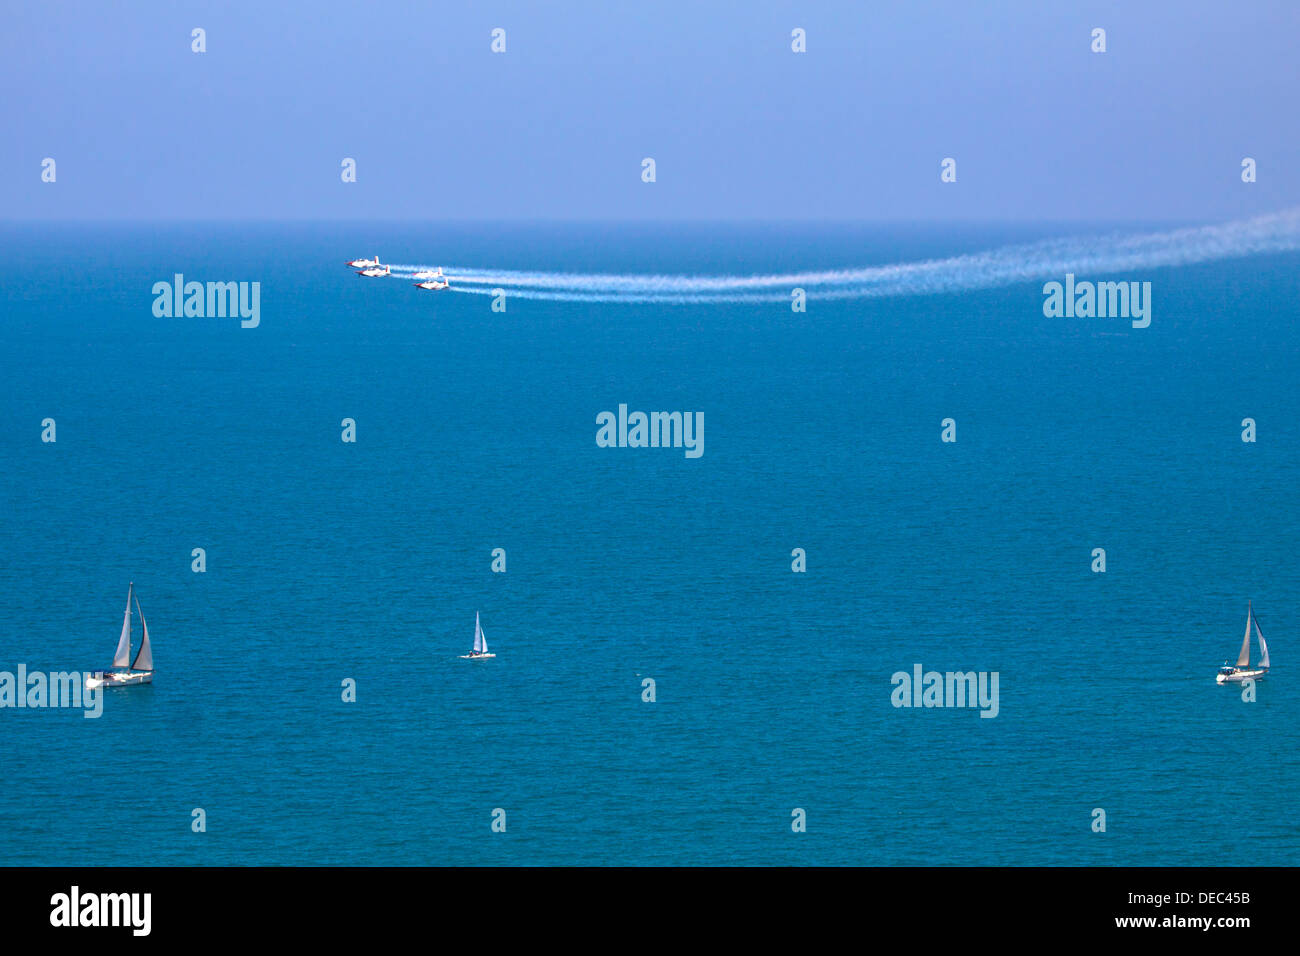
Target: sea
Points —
{"points": [[666, 690]]}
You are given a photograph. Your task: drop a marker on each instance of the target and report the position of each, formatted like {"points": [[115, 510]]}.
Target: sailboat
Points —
{"points": [[480, 643], [1242, 670], [127, 670]]}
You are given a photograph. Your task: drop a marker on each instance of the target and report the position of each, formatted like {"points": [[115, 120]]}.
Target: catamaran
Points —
{"points": [[1243, 671], [480, 643], [127, 671]]}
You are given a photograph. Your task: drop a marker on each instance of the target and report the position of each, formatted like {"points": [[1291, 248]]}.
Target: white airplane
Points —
{"points": [[364, 263], [437, 281], [374, 272]]}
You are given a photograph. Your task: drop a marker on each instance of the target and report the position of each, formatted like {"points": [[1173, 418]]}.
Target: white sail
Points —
{"points": [[480, 642], [1243, 659], [144, 659], [122, 658], [1263, 648]]}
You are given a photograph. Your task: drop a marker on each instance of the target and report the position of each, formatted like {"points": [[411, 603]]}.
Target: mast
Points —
{"points": [[1243, 659], [122, 656]]}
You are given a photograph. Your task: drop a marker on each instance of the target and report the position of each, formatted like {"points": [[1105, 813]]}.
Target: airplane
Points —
{"points": [[374, 272], [437, 281], [364, 263]]}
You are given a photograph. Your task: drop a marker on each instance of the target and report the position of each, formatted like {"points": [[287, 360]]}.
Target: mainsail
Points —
{"points": [[1243, 659], [144, 659], [1263, 648], [122, 658], [480, 639]]}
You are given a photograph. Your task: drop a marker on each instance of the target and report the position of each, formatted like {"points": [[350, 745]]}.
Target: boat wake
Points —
{"points": [[1092, 255]]}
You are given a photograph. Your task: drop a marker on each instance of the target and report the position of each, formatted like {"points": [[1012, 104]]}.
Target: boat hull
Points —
{"points": [[1236, 677], [476, 657], [118, 679]]}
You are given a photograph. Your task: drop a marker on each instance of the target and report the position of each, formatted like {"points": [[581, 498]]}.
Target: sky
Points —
{"points": [[740, 127]]}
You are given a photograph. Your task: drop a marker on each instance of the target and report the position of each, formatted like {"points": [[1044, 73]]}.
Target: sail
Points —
{"points": [[122, 658], [1243, 659], [144, 659], [1263, 648], [480, 644]]}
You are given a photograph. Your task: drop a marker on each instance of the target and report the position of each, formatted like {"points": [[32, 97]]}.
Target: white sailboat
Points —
{"points": [[1242, 670], [480, 643], [127, 670]]}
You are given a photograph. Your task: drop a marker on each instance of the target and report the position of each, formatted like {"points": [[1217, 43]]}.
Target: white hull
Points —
{"points": [[1236, 677], [475, 657], [118, 679]]}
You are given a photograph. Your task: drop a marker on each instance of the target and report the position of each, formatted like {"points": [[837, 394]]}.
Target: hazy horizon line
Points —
{"points": [[833, 221]]}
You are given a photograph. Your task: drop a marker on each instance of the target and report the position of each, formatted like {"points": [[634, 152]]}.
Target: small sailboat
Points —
{"points": [[127, 670], [1242, 670], [480, 643]]}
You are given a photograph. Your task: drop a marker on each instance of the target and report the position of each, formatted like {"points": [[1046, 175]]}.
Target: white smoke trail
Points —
{"points": [[1090, 256]]}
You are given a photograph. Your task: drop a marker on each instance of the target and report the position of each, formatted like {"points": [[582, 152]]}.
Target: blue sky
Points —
{"points": [[739, 126]]}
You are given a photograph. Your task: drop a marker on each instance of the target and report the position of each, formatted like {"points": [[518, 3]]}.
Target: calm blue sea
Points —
{"points": [[476, 430]]}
